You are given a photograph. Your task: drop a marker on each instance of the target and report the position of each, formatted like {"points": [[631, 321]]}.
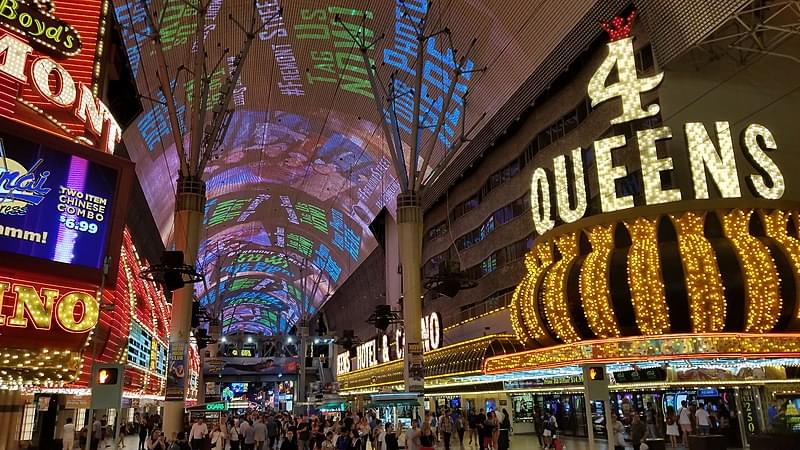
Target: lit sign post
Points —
{"points": [[107, 381], [595, 387]]}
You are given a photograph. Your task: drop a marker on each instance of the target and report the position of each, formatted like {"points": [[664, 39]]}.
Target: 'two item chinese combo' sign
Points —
{"points": [[54, 205]]}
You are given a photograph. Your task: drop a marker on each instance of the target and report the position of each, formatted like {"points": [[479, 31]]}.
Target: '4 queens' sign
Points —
{"points": [[711, 156]]}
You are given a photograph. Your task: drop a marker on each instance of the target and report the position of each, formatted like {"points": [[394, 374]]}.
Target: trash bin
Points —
{"points": [[655, 444], [708, 442]]}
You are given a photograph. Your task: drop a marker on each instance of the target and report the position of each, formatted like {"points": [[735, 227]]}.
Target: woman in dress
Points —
{"points": [[672, 427], [427, 437], [217, 439]]}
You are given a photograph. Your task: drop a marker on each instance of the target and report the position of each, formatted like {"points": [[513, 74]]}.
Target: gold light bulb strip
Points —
{"points": [[644, 278], [555, 289], [775, 226], [517, 320], [763, 300], [536, 261], [28, 367], [595, 293], [675, 346], [703, 280]]}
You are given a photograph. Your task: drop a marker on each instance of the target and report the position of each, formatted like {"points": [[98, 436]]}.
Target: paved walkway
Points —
{"points": [[518, 442]]}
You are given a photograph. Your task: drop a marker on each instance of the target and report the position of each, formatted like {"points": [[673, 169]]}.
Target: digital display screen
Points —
{"points": [[305, 167], [54, 205]]}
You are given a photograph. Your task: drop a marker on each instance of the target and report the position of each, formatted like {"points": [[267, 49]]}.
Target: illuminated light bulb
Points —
{"points": [[593, 283], [703, 157], [566, 212], [704, 287], [775, 226], [622, 57], [41, 70], [555, 289], [536, 262], [763, 300], [644, 278], [759, 157]]}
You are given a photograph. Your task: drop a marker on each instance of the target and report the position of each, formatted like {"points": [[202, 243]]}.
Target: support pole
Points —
{"points": [[300, 405], [409, 239], [11, 409], [190, 201]]}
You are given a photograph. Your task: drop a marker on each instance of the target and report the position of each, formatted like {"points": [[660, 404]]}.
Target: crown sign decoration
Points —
{"points": [[619, 27]]}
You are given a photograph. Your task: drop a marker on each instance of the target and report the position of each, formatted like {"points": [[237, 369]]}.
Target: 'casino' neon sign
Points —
{"points": [[74, 311], [711, 161], [75, 97]]}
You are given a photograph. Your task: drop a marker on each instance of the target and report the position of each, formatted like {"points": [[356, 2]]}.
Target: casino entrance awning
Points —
{"points": [[464, 358]]}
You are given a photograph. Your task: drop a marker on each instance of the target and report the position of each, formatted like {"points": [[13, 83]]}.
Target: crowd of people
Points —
{"points": [[280, 430], [676, 426]]}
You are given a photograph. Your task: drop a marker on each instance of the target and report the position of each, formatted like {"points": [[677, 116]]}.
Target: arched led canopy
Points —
{"points": [[304, 167]]}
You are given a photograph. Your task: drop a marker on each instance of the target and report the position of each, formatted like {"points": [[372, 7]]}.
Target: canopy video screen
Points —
{"points": [[54, 205], [305, 167]]}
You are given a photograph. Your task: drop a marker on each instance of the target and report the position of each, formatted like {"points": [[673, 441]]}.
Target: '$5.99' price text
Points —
{"points": [[84, 226]]}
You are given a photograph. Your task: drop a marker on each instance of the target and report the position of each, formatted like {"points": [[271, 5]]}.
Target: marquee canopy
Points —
{"points": [[304, 167]]}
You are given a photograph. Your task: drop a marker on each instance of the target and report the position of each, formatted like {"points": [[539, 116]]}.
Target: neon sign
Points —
{"points": [[711, 154], [378, 350], [20, 187], [75, 97], [40, 26], [73, 311]]}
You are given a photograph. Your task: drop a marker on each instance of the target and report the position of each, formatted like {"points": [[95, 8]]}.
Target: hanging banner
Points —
{"points": [[176, 372], [415, 367]]}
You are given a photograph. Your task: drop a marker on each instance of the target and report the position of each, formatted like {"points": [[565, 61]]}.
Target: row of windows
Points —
{"points": [[500, 217], [554, 132], [500, 258], [551, 134], [438, 230]]}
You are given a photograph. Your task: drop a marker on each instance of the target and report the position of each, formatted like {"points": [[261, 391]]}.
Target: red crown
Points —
{"points": [[619, 28]]}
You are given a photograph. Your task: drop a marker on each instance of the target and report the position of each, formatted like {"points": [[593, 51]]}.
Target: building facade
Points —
{"points": [[637, 211]]}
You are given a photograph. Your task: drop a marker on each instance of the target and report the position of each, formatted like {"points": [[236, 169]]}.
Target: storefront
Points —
{"points": [[69, 273]]}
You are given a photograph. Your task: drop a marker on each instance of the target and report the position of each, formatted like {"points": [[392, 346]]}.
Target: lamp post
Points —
{"points": [[206, 136], [405, 158]]}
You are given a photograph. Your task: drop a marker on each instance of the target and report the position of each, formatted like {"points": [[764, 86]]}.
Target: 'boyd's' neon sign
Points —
{"points": [[65, 93]]}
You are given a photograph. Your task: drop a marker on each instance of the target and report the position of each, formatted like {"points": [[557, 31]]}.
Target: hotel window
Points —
{"points": [[28, 418], [436, 231]]}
